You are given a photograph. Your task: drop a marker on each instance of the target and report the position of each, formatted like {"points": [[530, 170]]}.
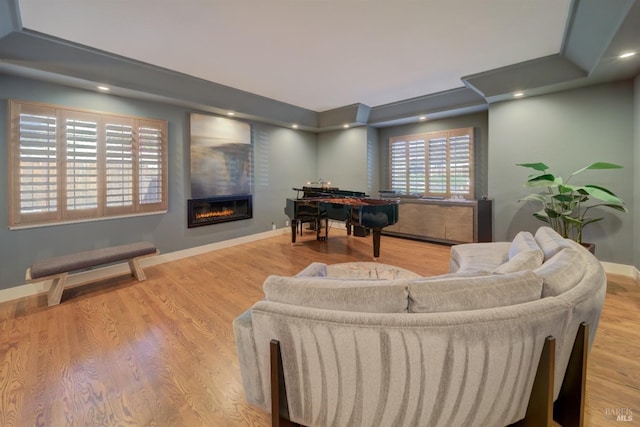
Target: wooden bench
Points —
{"points": [[57, 269]]}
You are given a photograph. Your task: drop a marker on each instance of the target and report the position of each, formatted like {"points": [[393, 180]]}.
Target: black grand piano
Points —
{"points": [[352, 207]]}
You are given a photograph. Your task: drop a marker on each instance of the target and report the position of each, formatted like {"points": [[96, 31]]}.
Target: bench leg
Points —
{"points": [[136, 270], [55, 291]]}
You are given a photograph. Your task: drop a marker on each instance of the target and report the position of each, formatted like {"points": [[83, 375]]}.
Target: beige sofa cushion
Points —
{"points": [[562, 272], [524, 260], [524, 241], [478, 256], [550, 242], [473, 293], [358, 295]]}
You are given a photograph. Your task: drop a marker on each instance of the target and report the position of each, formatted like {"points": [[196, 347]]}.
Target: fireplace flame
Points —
{"points": [[224, 212]]}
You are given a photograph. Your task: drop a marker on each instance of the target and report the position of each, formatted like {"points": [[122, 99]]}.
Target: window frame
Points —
{"points": [[62, 213], [419, 144]]}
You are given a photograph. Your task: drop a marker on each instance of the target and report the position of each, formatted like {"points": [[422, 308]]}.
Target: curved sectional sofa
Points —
{"points": [[366, 344]]}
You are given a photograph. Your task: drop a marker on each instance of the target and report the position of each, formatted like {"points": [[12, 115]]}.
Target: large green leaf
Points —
{"points": [[536, 166], [598, 166], [544, 180], [602, 193]]}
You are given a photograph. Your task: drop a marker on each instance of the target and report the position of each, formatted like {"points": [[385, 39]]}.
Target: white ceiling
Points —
{"points": [[316, 54]]}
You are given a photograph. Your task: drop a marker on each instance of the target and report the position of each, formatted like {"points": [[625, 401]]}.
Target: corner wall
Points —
{"points": [[636, 173], [342, 159], [567, 131]]}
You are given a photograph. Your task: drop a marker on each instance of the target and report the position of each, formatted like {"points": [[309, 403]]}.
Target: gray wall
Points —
{"points": [[566, 130], [283, 158], [342, 158], [479, 121]]}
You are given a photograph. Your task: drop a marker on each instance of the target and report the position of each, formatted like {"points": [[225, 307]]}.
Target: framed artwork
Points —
{"points": [[220, 156]]}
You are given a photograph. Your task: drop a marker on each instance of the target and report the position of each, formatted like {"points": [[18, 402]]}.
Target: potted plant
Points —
{"points": [[565, 205]]}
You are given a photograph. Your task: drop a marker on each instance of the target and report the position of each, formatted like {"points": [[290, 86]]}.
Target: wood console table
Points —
{"points": [[445, 221]]}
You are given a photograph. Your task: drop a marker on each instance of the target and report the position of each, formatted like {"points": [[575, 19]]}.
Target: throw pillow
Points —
{"points": [[562, 272], [366, 295], [550, 242], [523, 260], [524, 241], [473, 293]]}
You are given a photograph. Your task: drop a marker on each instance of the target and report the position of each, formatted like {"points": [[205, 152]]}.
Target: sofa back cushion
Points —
{"points": [[524, 241], [561, 272], [550, 242], [473, 293], [523, 260], [359, 295]]}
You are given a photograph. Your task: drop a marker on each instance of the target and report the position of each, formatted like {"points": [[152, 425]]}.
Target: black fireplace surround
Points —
{"points": [[214, 210]]}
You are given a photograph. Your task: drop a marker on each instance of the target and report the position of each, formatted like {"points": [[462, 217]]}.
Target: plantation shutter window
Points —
{"points": [[150, 157], [438, 168], [67, 164], [436, 164], [36, 157], [119, 164], [80, 145], [399, 165]]}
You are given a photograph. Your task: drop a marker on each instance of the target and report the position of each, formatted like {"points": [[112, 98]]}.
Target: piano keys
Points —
{"points": [[340, 205]]}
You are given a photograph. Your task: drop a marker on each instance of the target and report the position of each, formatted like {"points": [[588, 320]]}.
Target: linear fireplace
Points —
{"points": [[214, 210]]}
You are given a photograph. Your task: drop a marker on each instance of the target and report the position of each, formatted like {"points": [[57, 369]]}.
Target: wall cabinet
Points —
{"points": [[447, 221]]}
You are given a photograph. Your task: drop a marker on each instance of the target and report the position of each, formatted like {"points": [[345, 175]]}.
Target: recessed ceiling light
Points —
{"points": [[627, 55], [295, 126], [231, 113], [346, 125], [104, 88], [518, 94], [422, 118]]}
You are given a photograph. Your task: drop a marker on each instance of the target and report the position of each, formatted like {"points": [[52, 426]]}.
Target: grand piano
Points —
{"points": [[354, 208]]}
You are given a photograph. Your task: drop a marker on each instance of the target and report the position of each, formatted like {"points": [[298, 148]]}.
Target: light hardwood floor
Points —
{"points": [[162, 352]]}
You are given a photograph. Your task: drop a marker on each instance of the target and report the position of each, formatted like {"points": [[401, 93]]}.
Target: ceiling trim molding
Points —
{"points": [[591, 26], [10, 18]]}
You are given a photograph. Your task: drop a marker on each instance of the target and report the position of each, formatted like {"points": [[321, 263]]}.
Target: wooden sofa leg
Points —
{"points": [[569, 407], [55, 291], [540, 409], [279, 407]]}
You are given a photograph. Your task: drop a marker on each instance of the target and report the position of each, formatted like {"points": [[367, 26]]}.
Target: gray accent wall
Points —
{"points": [[342, 158], [283, 158], [567, 131]]}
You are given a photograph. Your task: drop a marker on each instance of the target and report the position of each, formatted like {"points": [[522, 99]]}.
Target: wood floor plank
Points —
{"points": [[162, 352]]}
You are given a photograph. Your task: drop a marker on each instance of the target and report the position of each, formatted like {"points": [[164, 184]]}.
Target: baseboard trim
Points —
{"points": [[621, 269], [77, 279]]}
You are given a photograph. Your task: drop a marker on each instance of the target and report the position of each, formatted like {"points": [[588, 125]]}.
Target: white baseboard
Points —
{"points": [[102, 273], [621, 269]]}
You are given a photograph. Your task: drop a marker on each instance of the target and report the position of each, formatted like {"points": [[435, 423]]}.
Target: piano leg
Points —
{"points": [[294, 230], [326, 228], [376, 242], [319, 227]]}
